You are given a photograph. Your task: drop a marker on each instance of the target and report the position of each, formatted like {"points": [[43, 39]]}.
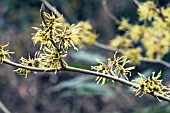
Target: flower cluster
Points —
{"points": [[120, 42], [37, 61], [56, 32], [158, 44], [147, 10], [134, 54], [151, 36], [4, 53], [114, 67], [152, 85], [105, 69], [53, 59], [55, 36], [87, 36]]}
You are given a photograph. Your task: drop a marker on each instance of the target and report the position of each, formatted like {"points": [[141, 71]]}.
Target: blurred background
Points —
{"points": [[69, 92]]}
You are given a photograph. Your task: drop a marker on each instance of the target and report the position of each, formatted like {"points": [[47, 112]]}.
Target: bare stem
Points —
{"points": [[156, 61], [3, 108], [42, 13], [106, 47], [109, 14], [104, 4], [136, 2], [160, 14], [53, 9]]}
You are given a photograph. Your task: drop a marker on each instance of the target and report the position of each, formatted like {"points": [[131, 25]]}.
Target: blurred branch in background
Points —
{"points": [[144, 59], [109, 14], [3, 108], [53, 9], [136, 2], [56, 12]]}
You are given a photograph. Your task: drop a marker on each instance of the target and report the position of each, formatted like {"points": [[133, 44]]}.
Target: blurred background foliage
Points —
{"points": [[70, 92]]}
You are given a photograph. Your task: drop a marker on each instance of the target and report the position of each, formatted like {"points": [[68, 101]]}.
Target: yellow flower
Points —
{"points": [[117, 60], [124, 71], [37, 61], [102, 67], [151, 85], [105, 69], [147, 11], [68, 36], [120, 42], [56, 32], [134, 54], [53, 59], [124, 24], [166, 12], [4, 54], [43, 37], [51, 21], [86, 34], [136, 32], [156, 43], [113, 67]]}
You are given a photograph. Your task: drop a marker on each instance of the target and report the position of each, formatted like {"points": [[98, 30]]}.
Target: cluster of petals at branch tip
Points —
{"points": [[55, 37], [4, 54], [115, 67], [152, 85]]}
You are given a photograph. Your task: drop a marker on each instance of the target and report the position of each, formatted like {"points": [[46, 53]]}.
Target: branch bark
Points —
{"points": [[73, 69]]}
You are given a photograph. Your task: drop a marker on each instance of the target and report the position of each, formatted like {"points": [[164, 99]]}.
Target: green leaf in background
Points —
{"points": [[156, 108], [88, 57], [147, 72], [82, 86]]}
